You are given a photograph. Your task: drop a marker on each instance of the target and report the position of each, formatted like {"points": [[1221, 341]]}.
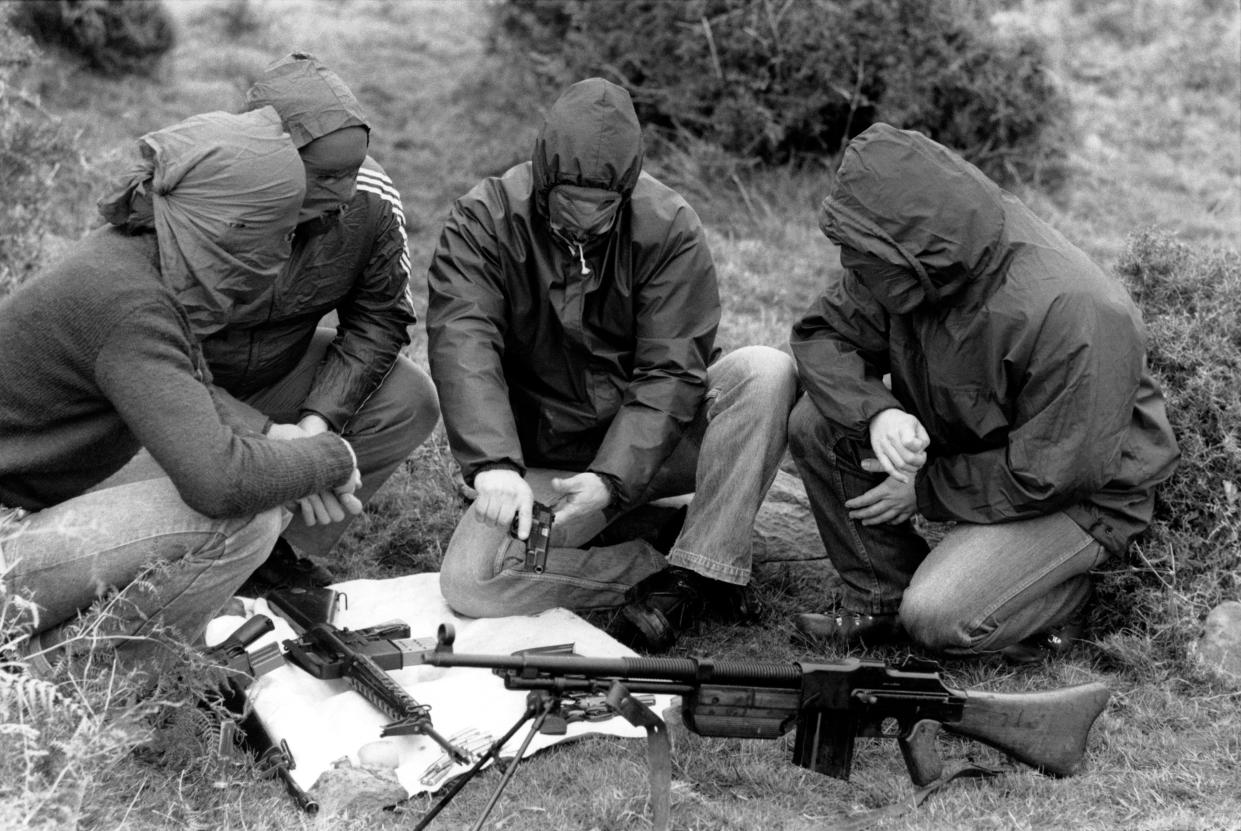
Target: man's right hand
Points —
{"points": [[899, 442], [502, 494], [326, 506]]}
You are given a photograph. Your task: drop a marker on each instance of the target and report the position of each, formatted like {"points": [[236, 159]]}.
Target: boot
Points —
{"points": [[284, 569], [665, 604], [848, 628]]}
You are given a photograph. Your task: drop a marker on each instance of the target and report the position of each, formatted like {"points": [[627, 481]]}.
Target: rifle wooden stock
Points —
{"points": [[1045, 730]]}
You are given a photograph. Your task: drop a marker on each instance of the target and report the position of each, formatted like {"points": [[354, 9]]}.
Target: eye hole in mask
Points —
{"points": [[895, 287], [580, 215]]}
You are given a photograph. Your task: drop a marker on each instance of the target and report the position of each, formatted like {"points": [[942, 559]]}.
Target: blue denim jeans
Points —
{"points": [[397, 417], [171, 565], [981, 588], [727, 458]]}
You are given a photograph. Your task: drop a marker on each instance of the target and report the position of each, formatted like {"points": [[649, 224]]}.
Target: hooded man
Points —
{"points": [[1019, 408], [349, 257], [120, 468], [572, 316]]}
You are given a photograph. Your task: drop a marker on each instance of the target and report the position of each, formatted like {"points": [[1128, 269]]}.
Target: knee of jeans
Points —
{"points": [[405, 402], [931, 621], [767, 374], [464, 591], [262, 531]]}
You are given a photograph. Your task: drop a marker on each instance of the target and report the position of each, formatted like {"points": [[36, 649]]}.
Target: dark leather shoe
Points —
{"points": [[848, 628], [1043, 646], [665, 604], [284, 569]]}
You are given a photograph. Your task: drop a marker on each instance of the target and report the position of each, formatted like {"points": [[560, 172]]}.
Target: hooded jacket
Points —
{"points": [[1025, 363], [98, 357], [584, 359], [358, 268]]}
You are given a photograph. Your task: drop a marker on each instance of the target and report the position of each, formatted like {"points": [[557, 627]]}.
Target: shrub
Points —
{"points": [[777, 81], [37, 157], [1191, 558], [114, 37]]}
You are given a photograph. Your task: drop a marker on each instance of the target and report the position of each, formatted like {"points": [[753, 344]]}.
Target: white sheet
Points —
{"points": [[323, 721]]}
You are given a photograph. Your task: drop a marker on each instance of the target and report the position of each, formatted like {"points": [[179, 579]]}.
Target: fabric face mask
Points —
{"points": [[581, 215], [895, 287]]}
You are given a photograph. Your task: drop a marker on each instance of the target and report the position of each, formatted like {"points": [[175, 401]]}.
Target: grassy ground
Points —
{"points": [[1155, 86]]}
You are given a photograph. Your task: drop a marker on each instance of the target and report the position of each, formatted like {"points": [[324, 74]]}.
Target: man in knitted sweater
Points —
{"points": [[102, 382]]}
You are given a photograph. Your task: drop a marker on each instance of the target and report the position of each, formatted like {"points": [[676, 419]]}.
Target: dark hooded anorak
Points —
{"points": [[548, 356], [1024, 361]]}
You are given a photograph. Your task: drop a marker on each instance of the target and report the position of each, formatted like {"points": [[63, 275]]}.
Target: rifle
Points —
{"points": [[362, 658], [829, 705]]}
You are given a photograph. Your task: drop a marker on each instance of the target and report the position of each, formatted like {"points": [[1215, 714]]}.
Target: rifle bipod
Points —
{"points": [[542, 705]]}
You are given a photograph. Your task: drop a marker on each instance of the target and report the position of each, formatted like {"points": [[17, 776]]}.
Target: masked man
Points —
{"points": [[120, 467], [350, 258], [572, 317], [1019, 407]]}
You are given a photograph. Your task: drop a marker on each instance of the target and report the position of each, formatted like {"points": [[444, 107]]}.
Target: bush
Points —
{"points": [[1191, 558], [115, 37], [37, 158], [778, 81]]}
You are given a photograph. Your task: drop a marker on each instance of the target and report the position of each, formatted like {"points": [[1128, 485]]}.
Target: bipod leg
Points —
{"points": [[658, 750], [534, 707], [545, 704]]}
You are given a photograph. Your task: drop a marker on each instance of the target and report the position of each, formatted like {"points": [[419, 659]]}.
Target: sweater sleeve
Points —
{"points": [[147, 371]]}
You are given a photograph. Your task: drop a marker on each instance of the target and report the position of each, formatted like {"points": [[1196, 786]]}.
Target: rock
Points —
{"points": [[785, 535], [1219, 648], [357, 791]]}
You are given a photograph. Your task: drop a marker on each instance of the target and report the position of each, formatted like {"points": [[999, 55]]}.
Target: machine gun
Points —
{"points": [[829, 705]]}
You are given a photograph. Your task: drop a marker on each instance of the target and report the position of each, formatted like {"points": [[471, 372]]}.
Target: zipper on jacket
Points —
{"points": [[581, 255]]}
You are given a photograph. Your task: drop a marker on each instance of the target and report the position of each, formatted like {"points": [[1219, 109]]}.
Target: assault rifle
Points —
{"points": [[829, 705], [362, 658]]}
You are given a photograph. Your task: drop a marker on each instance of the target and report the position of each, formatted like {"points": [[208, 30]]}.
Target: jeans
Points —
{"points": [[727, 457], [171, 565], [981, 588], [398, 416]]}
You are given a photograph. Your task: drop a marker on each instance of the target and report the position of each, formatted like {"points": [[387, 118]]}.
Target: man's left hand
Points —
{"points": [[890, 502], [583, 494]]}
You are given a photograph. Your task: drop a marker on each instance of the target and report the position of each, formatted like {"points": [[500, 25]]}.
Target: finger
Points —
{"points": [[864, 500], [525, 513], [322, 515], [308, 511], [351, 504], [331, 504]]}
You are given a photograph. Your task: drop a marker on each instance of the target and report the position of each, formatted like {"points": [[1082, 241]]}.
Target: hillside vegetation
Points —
{"points": [[1151, 189]]}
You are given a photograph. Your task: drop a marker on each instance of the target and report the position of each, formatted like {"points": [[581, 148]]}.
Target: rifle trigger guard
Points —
{"points": [[658, 750]]}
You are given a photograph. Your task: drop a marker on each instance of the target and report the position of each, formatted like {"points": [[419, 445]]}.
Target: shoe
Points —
{"points": [[665, 604], [284, 569], [1042, 646], [848, 628]]}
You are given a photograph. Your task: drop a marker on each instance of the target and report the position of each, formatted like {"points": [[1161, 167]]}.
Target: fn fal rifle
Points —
{"points": [[829, 705]]}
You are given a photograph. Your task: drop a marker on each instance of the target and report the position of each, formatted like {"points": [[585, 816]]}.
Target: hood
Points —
{"points": [[312, 100], [914, 203], [590, 138], [224, 191]]}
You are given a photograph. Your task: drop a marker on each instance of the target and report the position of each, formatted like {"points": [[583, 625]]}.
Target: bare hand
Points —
{"points": [[326, 506], [503, 494], [899, 442], [580, 495], [890, 502]]}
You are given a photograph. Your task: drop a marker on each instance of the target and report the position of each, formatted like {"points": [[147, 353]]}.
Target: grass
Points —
{"points": [[1155, 85]]}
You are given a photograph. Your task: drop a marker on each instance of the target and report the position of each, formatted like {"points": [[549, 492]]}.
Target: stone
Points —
{"points": [[1219, 648], [784, 530], [356, 791]]}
